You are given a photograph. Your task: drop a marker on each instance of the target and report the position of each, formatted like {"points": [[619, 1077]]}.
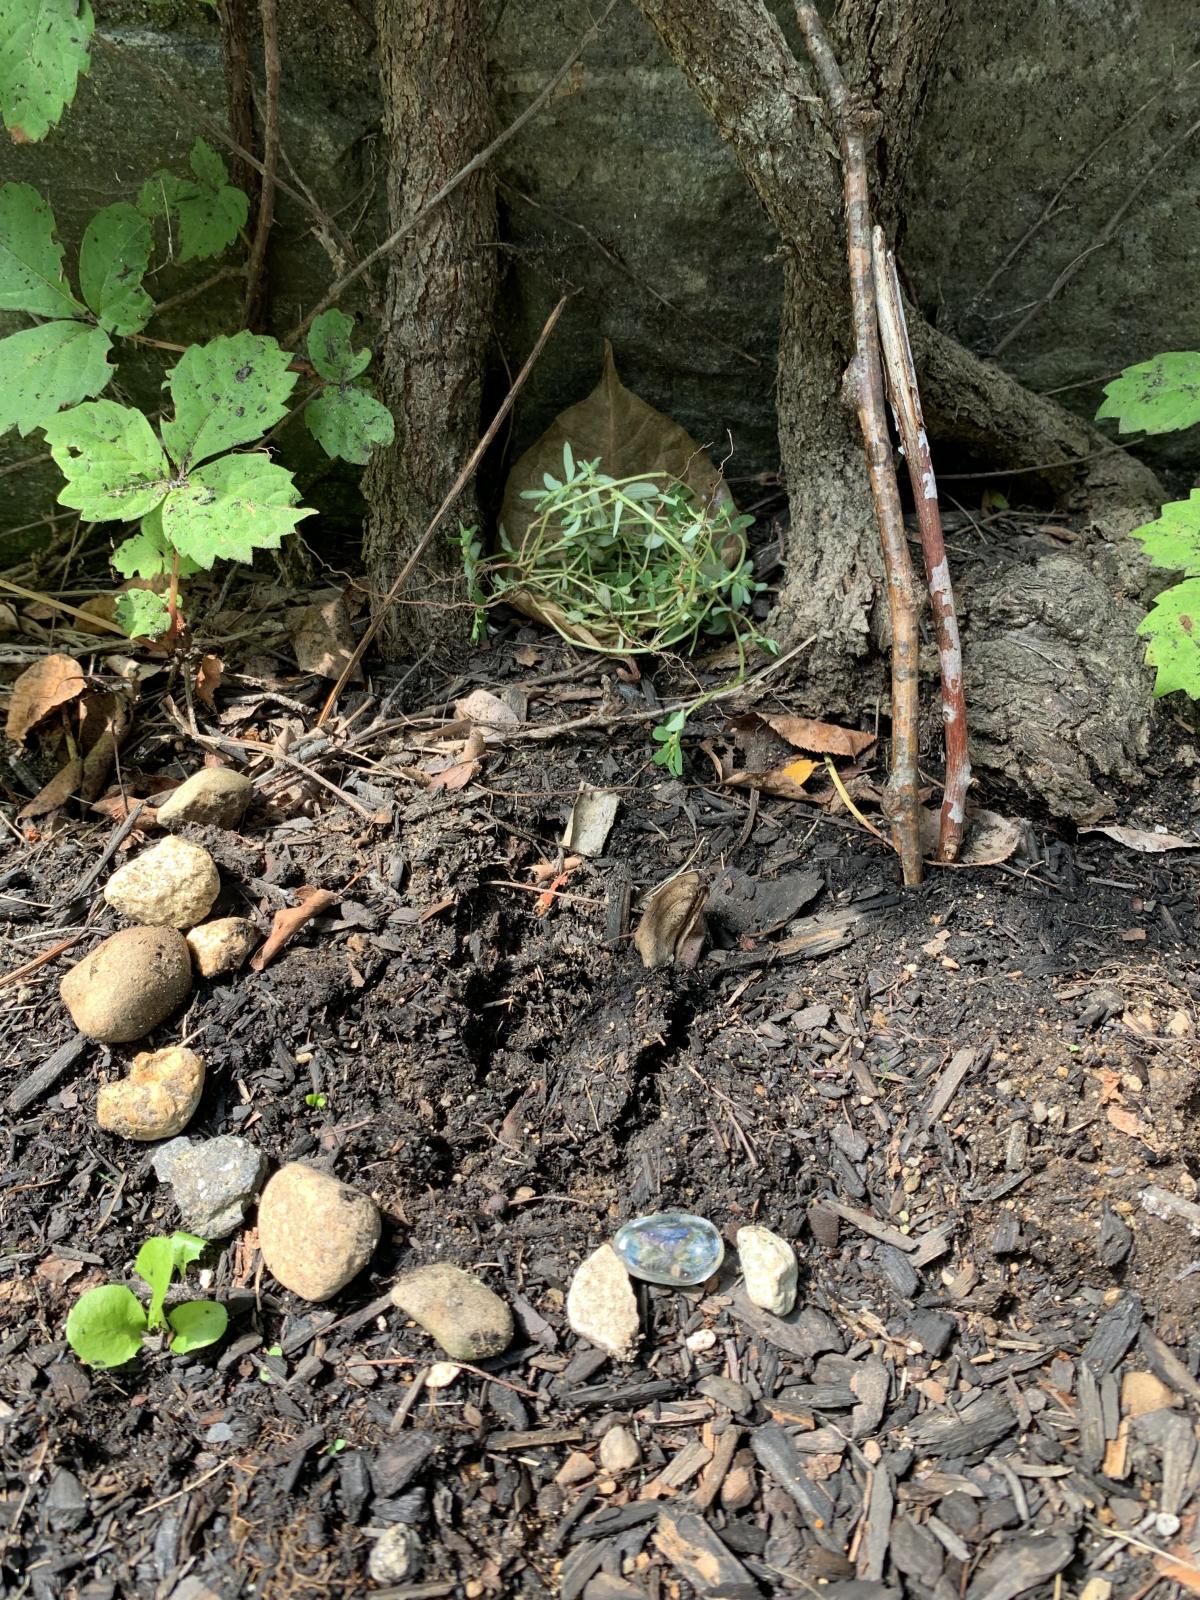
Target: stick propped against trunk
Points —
{"points": [[906, 406], [863, 388]]}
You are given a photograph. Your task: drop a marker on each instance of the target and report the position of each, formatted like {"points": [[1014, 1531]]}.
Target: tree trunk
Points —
{"points": [[735, 56], [440, 288]]}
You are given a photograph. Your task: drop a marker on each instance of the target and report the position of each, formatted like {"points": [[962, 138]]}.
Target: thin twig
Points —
{"points": [[456, 488], [906, 407], [173, 302], [254, 306], [863, 387], [89, 617], [448, 188]]}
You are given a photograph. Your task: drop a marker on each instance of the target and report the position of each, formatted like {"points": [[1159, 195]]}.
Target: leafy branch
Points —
{"points": [[107, 1326]]}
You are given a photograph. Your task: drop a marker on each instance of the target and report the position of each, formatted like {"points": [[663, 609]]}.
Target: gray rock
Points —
{"points": [[466, 1318], [66, 1503], [396, 1556], [171, 885], [314, 1232], [601, 1305], [214, 1181], [217, 796], [619, 1450], [128, 984]]}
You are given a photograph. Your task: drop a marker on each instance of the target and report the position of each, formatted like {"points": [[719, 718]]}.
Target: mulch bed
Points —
{"points": [[989, 1387]]}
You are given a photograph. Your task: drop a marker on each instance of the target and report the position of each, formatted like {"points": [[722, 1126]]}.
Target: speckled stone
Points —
{"points": [[466, 1318], [171, 885], [217, 796], [157, 1100]]}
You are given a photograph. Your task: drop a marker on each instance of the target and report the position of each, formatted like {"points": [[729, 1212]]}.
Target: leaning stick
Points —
{"points": [[863, 388], [906, 406]]}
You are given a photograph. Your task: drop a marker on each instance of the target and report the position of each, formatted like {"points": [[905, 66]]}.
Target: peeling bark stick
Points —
{"points": [[863, 387], [906, 405]]}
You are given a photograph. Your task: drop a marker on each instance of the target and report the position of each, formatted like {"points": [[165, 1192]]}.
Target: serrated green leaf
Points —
{"points": [[197, 1323], [46, 368], [1156, 396], [230, 508], [31, 270], [113, 259], [349, 423], [226, 392], [105, 1326], [209, 210], [146, 554], [114, 466], [1173, 629], [186, 1248], [43, 50], [1172, 541], [329, 348], [143, 614]]}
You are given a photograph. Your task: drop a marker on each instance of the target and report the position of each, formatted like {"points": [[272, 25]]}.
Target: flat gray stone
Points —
{"points": [[214, 1181]]}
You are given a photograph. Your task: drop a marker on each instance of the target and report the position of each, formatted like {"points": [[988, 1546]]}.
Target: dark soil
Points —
{"points": [[995, 1066]]}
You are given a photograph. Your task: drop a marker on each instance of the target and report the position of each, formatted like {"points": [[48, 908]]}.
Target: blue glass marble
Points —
{"points": [[670, 1247]]}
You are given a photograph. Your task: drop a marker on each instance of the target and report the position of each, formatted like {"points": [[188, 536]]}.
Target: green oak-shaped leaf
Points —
{"points": [[209, 210], [195, 1324], [1173, 629], [43, 50], [146, 554], [1172, 541], [1157, 396], [113, 259], [114, 466], [45, 368], [226, 392], [143, 614], [105, 1326], [31, 269], [348, 422], [329, 348], [230, 508]]}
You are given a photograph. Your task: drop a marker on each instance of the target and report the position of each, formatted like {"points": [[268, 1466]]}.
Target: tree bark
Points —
{"points": [[736, 58], [440, 289]]}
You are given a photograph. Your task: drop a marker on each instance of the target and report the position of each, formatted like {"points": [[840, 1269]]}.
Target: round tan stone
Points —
{"points": [[171, 885], [221, 945], [315, 1233], [466, 1318], [157, 1100], [601, 1304], [216, 796], [128, 984]]}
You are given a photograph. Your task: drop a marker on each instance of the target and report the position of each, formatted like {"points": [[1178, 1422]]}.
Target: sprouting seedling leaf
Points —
{"points": [[349, 423], [225, 393], [195, 1324], [31, 259], [43, 50], [231, 507], [209, 209], [153, 1266], [146, 554], [143, 614], [1157, 396], [330, 351], [114, 466], [105, 1326], [45, 368], [113, 259]]}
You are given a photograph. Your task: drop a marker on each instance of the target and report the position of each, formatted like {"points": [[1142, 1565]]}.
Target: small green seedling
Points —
{"points": [[106, 1326], [317, 1101]]}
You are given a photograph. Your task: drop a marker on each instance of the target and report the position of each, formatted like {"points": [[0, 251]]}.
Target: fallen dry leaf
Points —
{"points": [[1145, 840], [785, 783], [1181, 1566], [672, 927], [55, 794], [1128, 1122], [322, 639], [288, 922], [51, 682], [454, 777], [97, 614], [483, 707], [208, 679], [822, 738], [591, 820]]}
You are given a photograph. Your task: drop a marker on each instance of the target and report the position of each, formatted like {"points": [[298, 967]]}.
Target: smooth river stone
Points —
{"points": [[670, 1247]]}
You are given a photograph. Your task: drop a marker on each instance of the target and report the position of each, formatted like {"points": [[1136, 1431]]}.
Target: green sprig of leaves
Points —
{"points": [[207, 208], [345, 418], [106, 1326]]}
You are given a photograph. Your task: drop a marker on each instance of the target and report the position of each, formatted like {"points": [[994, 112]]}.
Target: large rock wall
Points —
{"points": [[621, 191]]}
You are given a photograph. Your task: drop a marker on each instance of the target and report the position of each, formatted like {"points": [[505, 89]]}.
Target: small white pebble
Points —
{"points": [[703, 1339], [442, 1374]]}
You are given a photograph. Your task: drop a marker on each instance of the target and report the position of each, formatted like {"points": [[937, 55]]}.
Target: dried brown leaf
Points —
{"points": [[458, 776], [322, 639], [1180, 1566], [1144, 840], [822, 738], [208, 679], [61, 788], [288, 922], [672, 927], [486, 711], [51, 682], [786, 782]]}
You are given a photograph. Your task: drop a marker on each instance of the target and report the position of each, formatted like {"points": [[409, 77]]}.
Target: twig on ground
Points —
{"points": [[476, 162], [254, 306], [61, 605], [863, 387], [906, 407], [456, 488]]}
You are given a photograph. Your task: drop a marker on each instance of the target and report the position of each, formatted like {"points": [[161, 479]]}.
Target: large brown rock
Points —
{"points": [[128, 984], [315, 1232], [171, 885]]}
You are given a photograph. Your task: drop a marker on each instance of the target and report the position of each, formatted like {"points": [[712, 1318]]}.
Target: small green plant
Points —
{"points": [[106, 1326], [318, 1102], [1163, 396], [626, 566]]}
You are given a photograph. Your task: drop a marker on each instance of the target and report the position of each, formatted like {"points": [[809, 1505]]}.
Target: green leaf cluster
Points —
{"points": [[208, 210], [106, 1326], [345, 418], [1162, 396], [196, 505], [43, 51]]}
